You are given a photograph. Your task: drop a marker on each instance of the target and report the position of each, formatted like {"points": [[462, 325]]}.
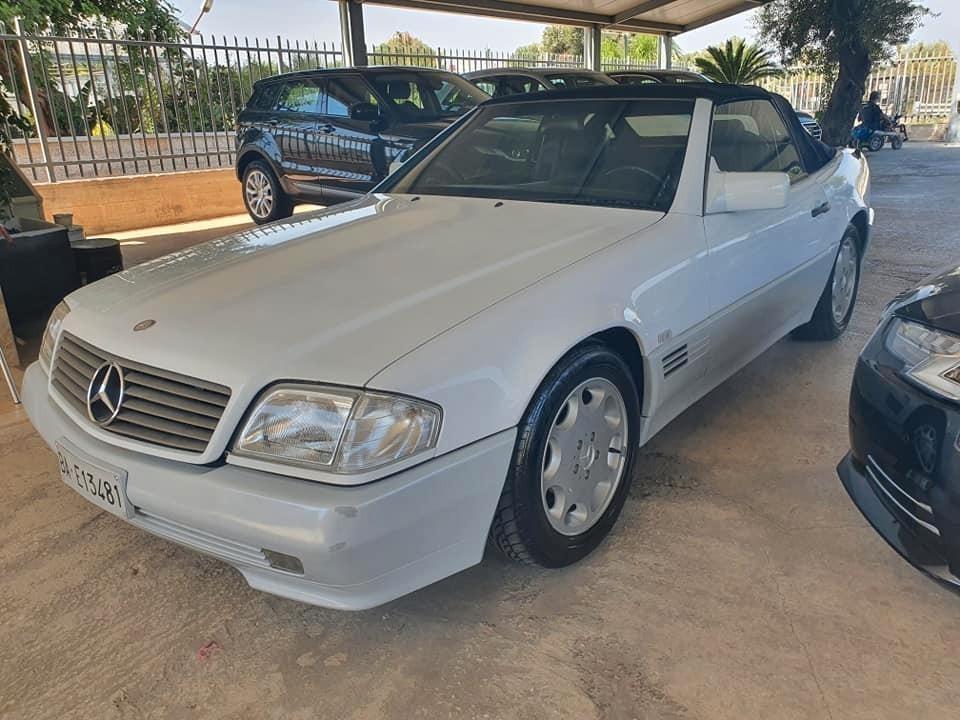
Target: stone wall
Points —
{"points": [[105, 205]]}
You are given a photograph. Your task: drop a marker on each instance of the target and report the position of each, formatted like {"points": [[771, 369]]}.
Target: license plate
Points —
{"points": [[103, 486]]}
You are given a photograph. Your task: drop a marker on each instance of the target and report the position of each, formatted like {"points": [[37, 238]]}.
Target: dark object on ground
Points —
{"points": [[36, 272], [96, 258]]}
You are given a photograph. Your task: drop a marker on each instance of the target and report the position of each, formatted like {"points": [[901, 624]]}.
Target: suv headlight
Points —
{"points": [[931, 357], [335, 429], [51, 333]]}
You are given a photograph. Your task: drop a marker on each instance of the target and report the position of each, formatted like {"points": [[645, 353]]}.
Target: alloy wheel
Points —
{"points": [[584, 457], [259, 193], [845, 270]]}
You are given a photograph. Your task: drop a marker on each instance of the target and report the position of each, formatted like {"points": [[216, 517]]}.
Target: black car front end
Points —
{"points": [[903, 469]]}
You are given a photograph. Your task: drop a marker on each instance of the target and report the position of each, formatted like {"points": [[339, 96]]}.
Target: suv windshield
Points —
{"points": [[416, 97], [620, 153]]}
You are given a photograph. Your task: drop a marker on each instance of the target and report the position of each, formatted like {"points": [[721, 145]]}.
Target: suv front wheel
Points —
{"points": [[263, 197]]}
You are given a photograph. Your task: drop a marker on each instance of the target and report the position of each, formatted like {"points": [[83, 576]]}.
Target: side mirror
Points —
{"points": [[739, 191], [367, 112]]}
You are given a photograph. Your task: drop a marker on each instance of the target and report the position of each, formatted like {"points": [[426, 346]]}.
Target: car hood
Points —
{"points": [[935, 302], [336, 296]]}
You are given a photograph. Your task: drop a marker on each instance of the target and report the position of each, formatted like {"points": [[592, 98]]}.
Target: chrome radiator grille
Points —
{"points": [[158, 407]]}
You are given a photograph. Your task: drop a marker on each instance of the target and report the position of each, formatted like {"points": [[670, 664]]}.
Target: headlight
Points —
{"points": [[51, 333], [931, 357], [338, 430]]}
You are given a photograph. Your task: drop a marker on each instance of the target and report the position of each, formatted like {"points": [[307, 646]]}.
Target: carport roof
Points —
{"points": [[666, 17]]}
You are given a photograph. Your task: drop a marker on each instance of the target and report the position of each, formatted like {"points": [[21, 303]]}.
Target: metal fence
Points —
{"points": [[103, 105], [921, 84]]}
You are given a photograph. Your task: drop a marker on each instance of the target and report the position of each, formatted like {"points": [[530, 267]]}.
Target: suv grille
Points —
{"points": [[159, 407], [813, 127]]}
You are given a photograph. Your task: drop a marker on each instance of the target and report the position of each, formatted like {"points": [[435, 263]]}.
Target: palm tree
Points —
{"points": [[737, 62]]}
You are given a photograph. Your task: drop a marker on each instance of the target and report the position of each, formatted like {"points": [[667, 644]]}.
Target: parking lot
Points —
{"points": [[739, 582]]}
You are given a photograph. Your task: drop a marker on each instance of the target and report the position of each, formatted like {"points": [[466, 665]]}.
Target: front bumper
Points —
{"points": [[892, 522], [360, 546], [903, 469]]}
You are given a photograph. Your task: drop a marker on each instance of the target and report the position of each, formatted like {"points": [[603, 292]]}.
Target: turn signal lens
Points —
{"points": [[385, 429], [51, 333]]}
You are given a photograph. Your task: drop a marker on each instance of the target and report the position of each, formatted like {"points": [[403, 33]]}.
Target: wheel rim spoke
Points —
{"points": [[584, 456], [844, 280], [259, 194]]}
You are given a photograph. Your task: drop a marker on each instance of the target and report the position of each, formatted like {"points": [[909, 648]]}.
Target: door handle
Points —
{"points": [[327, 128], [820, 209]]}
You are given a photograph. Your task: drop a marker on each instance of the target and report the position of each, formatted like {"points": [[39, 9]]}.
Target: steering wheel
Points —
{"points": [[442, 174], [613, 172]]}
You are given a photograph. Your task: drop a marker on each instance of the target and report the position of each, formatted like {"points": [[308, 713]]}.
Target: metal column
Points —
{"points": [[351, 30], [591, 46], [665, 52]]}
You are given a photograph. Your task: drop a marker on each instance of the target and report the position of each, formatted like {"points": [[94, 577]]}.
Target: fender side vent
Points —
{"points": [[674, 360]]}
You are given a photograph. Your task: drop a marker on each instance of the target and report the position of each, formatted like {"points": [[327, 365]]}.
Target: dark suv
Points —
{"points": [[326, 136]]}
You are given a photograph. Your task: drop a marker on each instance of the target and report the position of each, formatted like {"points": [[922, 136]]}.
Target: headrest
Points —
{"points": [[729, 129], [398, 89]]}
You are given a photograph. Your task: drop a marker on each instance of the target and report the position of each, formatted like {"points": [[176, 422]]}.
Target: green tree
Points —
{"points": [[532, 50], [406, 49], [614, 45], [155, 17], [843, 37], [562, 40], [737, 62]]}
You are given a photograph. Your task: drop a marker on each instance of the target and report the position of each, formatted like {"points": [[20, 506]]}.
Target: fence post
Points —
{"points": [[32, 93], [954, 119]]}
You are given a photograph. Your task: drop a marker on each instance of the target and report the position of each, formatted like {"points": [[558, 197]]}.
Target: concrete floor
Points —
{"points": [[739, 583]]}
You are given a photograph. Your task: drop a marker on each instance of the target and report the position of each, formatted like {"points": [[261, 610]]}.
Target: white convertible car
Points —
{"points": [[346, 406]]}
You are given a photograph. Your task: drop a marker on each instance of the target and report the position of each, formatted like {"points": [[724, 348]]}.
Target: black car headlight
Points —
{"points": [[931, 358]]}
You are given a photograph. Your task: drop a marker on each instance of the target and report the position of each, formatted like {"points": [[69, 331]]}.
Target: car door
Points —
{"points": [[295, 130], [760, 262], [352, 154]]}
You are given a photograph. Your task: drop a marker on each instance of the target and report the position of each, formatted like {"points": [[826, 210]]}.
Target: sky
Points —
{"points": [[319, 20]]}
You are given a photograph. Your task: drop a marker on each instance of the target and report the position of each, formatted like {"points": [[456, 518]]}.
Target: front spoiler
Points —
{"points": [[899, 535]]}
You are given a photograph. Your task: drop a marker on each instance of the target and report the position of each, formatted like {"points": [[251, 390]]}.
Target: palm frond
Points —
{"points": [[737, 62]]}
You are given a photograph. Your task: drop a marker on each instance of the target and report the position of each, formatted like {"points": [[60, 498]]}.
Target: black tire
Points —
{"points": [[823, 325], [521, 529], [875, 144], [261, 208], [896, 142]]}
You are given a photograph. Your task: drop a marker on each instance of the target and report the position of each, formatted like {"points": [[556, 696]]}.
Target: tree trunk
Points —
{"points": [[847, 94], [10, 61]]}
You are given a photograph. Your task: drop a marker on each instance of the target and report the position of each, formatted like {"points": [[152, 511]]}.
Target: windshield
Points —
{"points": [[620, 153], [418, 97]]}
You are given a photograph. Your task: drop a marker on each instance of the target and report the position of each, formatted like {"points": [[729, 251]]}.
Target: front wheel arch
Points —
{"points": [[521, 529]]}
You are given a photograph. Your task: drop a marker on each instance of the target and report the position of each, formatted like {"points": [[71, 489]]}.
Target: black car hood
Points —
{"points": [[935, 302]]}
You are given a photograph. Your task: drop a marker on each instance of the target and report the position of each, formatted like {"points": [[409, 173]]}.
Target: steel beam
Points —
{"points": [[352, 33], [639, 9], [735, 10], [665, 52], [591, 46], [533, 13]]}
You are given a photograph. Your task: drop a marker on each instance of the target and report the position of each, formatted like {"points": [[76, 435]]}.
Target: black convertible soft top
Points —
{"points": [[814, 154]]}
